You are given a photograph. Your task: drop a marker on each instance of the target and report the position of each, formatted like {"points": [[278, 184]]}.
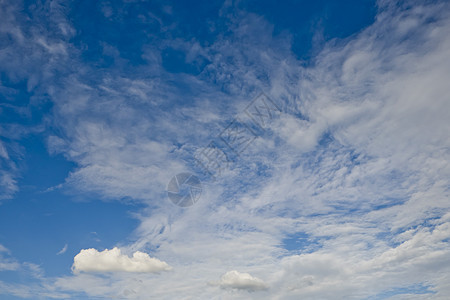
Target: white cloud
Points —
{"points": [[8, 171], [6, 265], [91, 260], [3, 152], [9, 263], [241, 281], [8, 185], [63, 250], [351, 261]]}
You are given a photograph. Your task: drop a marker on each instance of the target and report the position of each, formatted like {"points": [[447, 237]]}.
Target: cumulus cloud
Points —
{"points": [[242, 281], [92, 260]]}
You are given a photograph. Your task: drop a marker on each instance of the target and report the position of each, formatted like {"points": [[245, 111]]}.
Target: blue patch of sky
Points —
{"points": [[416, 289], [47, 220], [300, 243], [304, 19]]}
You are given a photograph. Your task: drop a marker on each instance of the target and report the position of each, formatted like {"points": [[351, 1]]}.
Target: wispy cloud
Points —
{"points": [[63, 250]]}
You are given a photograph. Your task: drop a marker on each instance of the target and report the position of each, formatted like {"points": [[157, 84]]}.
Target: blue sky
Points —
{"points": [[319, 131]]}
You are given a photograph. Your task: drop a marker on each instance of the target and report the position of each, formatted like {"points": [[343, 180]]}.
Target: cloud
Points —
{"points": [[363, 172], [241, 281], [7, 265], [8, 173], [23, 59], [91, 260], [354, 260], [63, 250]]}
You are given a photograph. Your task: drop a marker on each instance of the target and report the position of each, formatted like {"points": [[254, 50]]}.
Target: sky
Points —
{"points": [[224, 149]]}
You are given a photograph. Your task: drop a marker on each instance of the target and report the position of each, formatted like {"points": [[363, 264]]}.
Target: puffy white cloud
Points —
{"points": [[91, 260], [241, 281]]}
